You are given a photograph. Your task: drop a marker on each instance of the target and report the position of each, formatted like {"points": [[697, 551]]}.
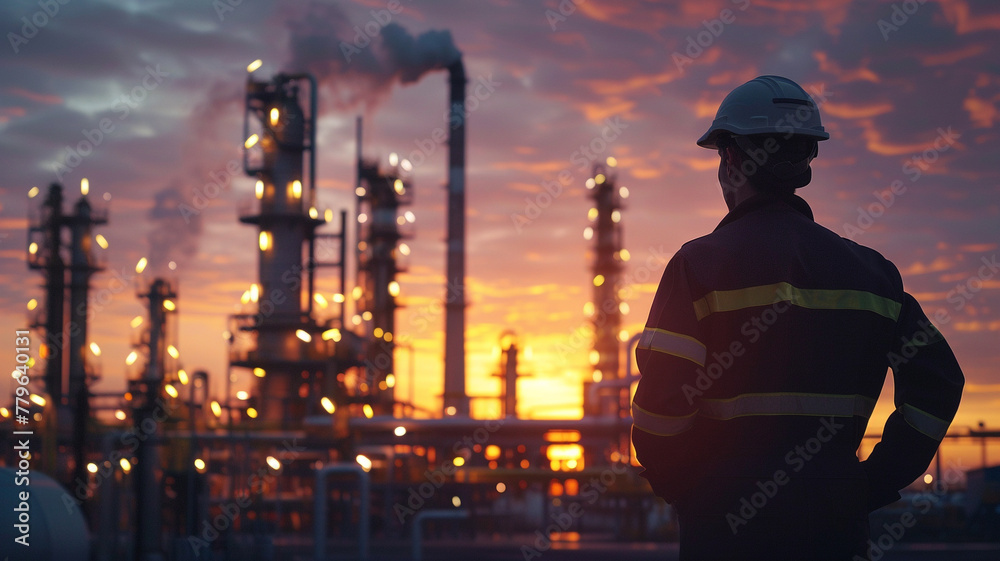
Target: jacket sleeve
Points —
{"points": [[664, 408], [928, 388]]}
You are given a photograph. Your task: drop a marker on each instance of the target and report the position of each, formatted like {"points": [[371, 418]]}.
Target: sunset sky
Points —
{"points": [[909, 93]]}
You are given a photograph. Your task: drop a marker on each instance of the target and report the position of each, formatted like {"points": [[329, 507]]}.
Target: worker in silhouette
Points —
{"points": [[766, 347]]}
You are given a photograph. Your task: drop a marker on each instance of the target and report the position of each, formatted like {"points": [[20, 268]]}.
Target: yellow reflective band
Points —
{"points": [[924, 422], [814, 298], [660, 425], [818, 405], [676, 344]]}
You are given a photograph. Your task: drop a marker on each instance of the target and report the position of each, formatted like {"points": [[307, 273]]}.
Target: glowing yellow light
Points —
{"points": [[254, 292], [588, 233], [450, 410], [199, 464], [84, 186], [598, 280], [623, 307], [458, 461], [597, 375], [274, 115], [131, 358], [387, 336], [404, 249], [377, 332], [258, 189], [590, 183], [364, 462], [92, 467], [928, 479], [245, 298], [360, 191], [624, 255], [366, 315], [592, 214], [169, 305], [313, 213], [120, 415], [362, 218], [623, 335], [328, 405], [296, 189], [33, 192], [94, 348], [274, 463], [32, 304], [616, 216], [410, 217], [264, 240], [172, 351], [368, 411], [492, 452], [216, 408], [457, 502], [4, 412], [399, 431], [331, 334], [612, 161], [254, 65], [594, 356], [136, 322], [390, 380], [328, 215], [564, 452], [393, 159], [501, 487], [249, 143], [33, 248], [251, 412], [37, 400], [599, 178], [259, 372], [242, 395], [305, 337], [101, 241], [182, 377], [126, 465], [171, 390], [398, 186], [406, 165], [357, 292], [338, 298], [141, 265], [623, 192]]}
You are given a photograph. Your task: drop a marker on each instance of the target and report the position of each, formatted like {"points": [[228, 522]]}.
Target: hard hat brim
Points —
{"points": [[708, 140]]}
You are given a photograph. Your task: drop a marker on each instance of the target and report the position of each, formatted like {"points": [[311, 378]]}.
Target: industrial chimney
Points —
{"points": [[456, 402]]}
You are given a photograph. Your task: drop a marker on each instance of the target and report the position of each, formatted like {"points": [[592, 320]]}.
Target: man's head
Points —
{"points": [[766, 132]]}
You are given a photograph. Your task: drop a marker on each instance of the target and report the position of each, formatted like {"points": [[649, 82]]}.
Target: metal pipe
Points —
{"points": [[416, 530], [319, 516], [597, 387]]}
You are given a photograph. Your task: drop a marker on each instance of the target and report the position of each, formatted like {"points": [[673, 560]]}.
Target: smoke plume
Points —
{"points": [[172, 237], [360, 62]]}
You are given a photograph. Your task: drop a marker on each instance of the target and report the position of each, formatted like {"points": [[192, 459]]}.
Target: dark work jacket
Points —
{"points": [[767, 344]]}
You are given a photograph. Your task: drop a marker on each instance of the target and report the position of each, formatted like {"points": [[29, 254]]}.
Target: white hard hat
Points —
{"points": [[766, 104]]}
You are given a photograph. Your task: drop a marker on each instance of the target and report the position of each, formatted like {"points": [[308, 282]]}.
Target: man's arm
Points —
{"points": [[663, 415], [928, 382]]}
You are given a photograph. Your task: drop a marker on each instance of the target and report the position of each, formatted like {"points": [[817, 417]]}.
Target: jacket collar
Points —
{"points": [[761, 200]]}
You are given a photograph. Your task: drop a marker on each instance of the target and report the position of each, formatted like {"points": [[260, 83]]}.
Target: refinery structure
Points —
{"points": [[323, 459]]}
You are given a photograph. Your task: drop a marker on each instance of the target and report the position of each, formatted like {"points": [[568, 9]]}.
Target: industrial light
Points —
{"points": [[598, 280], [623, 192], [410, 217], [623, 307], [305, 337], [368, 411], [255, 290], [377, 332], [588, 233], [216, 408], [131, 358], [169, 305], [393, 159], [590, 183], [37, 400], [362, 218], [616, 216], [398, 186], [92, 467], [357, 292], [612, 161], [249, 143], [126, 465], [258, 189], [33, 248], [390, 380], [251, 412], [94, 348], [406, 165], [182, 377], [450, 410], [120, 415], [4, 412], [404, 249], [366, 315], [599, 178], [274, 115], [597, 376], [320, 299], [264, 240], [259, 372], [199, 464], [360, 191], [172, 351], [624, 255], [595, 356], [400, 431], [623, 335], [171, 390], [387, 337], [254, 65], [274, 463], [459, 461], [101, 241], [338, 298], [296, 189], [501, 487], [333, 334], [84, 186], [32, 304], [141, 265], [456, 501], [400, 220], [136, 322], [328, 215], [328, 405], [242, 395], [33, 192], [313, 213], [592, 214], [364, 462]]}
